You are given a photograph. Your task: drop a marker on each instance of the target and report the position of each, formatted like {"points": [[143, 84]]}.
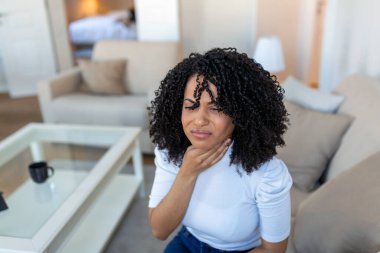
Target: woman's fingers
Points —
{"points": [[215, 154], [220, 156], [198, 160]]}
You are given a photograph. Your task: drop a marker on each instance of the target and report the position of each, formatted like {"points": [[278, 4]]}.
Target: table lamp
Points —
{"points": [[269, 54]]}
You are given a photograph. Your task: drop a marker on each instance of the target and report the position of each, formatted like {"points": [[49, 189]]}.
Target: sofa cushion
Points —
{"points": [[343, 214], [148, 61], [363, 137], [297, 196], [82, 108], [311, 140], [104, 77], [301, 94]]}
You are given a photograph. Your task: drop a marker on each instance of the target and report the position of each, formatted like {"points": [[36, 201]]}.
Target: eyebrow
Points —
{"points": [[192, 101]]}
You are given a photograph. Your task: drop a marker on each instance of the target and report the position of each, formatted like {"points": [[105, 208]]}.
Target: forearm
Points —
{"points": [[170, 212]]}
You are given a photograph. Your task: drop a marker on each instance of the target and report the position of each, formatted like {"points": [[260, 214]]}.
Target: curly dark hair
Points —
{"points": [[247, 93]]}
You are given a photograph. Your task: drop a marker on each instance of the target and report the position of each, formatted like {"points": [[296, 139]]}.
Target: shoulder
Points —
{"points": [[274, 167], [161, 154], [274, 179]]}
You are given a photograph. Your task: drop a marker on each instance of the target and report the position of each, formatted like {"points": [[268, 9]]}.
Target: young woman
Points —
{"points": [[216, 121]]}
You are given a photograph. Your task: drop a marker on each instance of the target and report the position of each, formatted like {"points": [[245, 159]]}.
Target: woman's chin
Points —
{"points": [[201, 145]]}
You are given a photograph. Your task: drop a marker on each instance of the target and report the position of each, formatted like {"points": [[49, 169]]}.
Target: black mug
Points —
{"points": [[3, 205], [39, 171]]}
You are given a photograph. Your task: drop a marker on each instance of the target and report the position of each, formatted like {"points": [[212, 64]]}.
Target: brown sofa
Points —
{"points": [[336, 204]]}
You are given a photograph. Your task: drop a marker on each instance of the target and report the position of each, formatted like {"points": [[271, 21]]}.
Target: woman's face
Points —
{"points": [[204, 126]]}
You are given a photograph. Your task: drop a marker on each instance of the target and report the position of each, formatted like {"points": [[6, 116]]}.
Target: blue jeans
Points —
{"points": [[185, 242]]}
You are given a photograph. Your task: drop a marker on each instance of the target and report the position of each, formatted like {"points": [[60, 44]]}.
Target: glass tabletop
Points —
{"points": [[73, 154], [29, 203]]}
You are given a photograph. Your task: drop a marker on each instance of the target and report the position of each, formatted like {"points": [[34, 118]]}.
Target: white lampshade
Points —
{"points": [[269, 54]]}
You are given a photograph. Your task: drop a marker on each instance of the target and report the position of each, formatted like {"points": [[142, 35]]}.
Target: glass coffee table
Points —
{"points": [[78, 208]]}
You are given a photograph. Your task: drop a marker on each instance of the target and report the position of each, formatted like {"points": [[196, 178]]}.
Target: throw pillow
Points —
{"points": [[343, 214], [105, 77], [310, 98], [311, 140]]}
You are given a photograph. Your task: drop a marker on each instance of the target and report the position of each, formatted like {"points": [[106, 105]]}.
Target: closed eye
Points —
{"points": [[190, 104], [192, 107], [214, 107]]}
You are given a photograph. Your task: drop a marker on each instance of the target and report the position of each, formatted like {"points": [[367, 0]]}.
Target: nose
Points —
{"points": [[201, 118]]}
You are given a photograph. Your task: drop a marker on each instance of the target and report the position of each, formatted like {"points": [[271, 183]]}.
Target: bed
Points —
{"points": [[117, 25]]}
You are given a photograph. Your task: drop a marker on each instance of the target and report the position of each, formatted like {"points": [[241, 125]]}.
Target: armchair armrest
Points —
{"points": [[64, 83], [343, 214]]}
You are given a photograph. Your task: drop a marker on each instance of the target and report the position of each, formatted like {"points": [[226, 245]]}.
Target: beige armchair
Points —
{"points": [[62, 101]]}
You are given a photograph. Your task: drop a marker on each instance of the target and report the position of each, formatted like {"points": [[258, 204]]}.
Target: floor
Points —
{"points": [[15, 113], [133, 233]]}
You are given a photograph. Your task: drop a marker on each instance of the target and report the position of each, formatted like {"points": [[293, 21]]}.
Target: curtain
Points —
{"points": [[350, 42]]}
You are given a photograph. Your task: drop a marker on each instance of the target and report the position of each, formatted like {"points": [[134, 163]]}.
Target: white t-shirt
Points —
{"points": [[230, 210]]}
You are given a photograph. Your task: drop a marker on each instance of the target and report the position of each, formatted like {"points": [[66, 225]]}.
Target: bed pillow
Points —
{"points": [[310, 141], [103, 77], [300, 93], [343, 215]]}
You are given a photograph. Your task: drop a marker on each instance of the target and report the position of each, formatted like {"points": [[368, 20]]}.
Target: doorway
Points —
{"points": [[89, 21]]}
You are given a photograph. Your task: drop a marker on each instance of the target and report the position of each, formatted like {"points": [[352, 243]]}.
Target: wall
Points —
{"points": [[61, 41], [105, 6], [26, 50], [309, 42], [312, 75], [3, 86], [213, 23], [280, 18], [77, 9], [157, 20]]}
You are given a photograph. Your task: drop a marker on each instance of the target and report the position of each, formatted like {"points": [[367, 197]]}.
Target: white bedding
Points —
{"points": [[106, 27]]}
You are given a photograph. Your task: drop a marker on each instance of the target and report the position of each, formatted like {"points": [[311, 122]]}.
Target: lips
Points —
{"points": [[201, 134]]}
